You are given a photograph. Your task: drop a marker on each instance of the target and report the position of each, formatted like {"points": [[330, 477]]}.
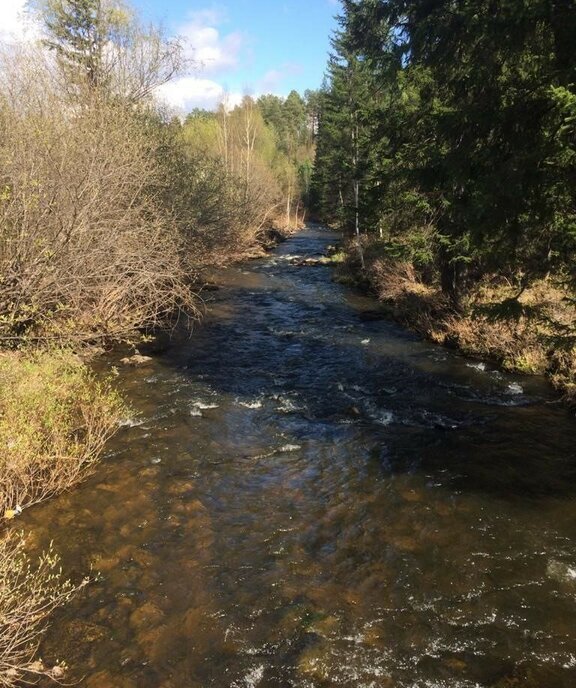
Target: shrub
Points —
{"points": [[28, 594], [86, 250], [54, 420]]}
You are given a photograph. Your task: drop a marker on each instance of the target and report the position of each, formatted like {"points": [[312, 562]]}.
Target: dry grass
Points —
{"points": [[54, 420], [534, 332]]}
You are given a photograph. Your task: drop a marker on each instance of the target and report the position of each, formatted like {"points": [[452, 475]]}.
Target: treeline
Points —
{"points": [[250, 169], [447, 140]]}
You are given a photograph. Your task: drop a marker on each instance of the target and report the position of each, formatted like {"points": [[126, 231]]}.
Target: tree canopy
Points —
{"points": [[464, 116]]}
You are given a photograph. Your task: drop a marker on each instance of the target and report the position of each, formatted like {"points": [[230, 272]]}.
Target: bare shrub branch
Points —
{"points": [[85, 249], [28, 594]]}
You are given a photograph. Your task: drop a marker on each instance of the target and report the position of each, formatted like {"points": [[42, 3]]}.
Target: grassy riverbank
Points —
{"points": [[55, 418], [530, 331]]}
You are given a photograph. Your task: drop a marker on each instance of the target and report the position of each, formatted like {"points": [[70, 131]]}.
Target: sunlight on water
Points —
{"points": [[310, 498]]}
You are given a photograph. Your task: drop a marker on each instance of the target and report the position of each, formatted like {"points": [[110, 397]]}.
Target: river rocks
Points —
{"points": [[404, 543], [326, 627], [377, 580], [411, 495], [106, 679], [443, 508], [145, 616], [88, 632], [315, 662], [456, 664], [143, 558], [181, 488], [323, 260], [150, 472], [154, 642], [193, 620], [191, 508], [105, 564], [375, 637], [136, 361]]}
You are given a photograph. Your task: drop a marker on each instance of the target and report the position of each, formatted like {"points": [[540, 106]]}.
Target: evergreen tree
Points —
{"points": [[342, 157], [78, 31], [468, 114]]}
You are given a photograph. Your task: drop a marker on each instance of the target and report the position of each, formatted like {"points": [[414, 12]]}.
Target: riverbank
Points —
{"points": [[530, 331], [55, 418]]}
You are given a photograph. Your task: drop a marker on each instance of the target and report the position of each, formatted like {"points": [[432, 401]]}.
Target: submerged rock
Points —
{"points": [[105, 679], [146, 616], [136, 360]]}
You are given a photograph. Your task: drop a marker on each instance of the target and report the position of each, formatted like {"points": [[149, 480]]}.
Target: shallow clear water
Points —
{"points": [[309, 497]]}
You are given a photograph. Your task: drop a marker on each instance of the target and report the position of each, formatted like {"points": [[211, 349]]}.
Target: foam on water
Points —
{"points": [[255, 404], [252, 678]]}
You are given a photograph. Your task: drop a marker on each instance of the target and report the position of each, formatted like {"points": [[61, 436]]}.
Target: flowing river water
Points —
{"points": [[308, 496]]}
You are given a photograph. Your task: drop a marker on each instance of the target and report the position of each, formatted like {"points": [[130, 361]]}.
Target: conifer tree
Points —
{"points": [[78, 31], [468, 114]]}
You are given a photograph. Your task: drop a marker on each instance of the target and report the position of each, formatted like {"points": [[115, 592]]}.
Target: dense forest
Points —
{"points": [[447, 142]]}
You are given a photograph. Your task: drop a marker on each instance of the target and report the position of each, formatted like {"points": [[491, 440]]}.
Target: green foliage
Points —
{"points": [[104, 50], [464, 120], [78, 31], [54, 420], [291, 122]]}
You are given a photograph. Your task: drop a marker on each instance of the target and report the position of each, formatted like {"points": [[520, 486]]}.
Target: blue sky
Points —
{"points": [[245, 46], [238, 46]]}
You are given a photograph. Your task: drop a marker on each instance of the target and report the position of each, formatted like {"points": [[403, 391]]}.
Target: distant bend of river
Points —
{"points": [[310, 497]]}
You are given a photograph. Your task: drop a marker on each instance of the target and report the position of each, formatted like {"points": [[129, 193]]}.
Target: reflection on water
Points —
{"points": [[311, 497]]}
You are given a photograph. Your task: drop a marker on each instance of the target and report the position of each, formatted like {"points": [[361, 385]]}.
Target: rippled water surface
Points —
{"points": [[308, 496]]}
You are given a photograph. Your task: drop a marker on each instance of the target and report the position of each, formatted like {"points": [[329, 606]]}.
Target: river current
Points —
{"points": [[309, 496]]}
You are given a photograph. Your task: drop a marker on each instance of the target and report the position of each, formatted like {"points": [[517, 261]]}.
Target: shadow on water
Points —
{"points": [[422, 407], [312, 497]]}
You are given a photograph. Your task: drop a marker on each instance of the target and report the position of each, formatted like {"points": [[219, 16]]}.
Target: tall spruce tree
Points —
{"points": [[342, 157], [77, 32], [469, 117]]}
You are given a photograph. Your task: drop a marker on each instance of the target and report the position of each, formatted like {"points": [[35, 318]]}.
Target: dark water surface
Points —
{"points": [[308, 497]]}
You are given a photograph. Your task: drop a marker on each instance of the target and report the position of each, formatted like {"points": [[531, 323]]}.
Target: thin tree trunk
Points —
{"points": [[288, 207], [357, 223]]}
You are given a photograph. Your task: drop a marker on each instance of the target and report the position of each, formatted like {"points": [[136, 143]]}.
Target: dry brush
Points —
{"points": [[86, 251]]}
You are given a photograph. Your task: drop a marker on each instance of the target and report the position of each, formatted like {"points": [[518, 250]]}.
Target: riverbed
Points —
{"points": [[307, 495]]}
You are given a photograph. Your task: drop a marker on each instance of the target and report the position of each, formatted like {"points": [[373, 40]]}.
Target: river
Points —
{"points": [[310, 496]]}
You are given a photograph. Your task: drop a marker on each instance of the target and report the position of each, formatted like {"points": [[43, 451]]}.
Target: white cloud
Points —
{"points": [[212, 51], [16, 24], [270, 82], [188, 92], [213, 54]]}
